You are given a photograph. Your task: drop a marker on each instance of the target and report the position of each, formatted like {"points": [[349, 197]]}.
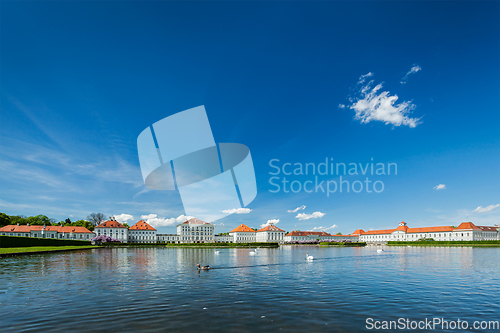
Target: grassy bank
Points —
{"points": [[493, 243], [9, 251], [198, 245], [342, 244]]}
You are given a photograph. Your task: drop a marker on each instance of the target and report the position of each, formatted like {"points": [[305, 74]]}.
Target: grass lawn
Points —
{"points": [[11, 250]]}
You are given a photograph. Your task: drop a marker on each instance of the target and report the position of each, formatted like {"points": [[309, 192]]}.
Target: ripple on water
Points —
{"points": [[158, 289]]}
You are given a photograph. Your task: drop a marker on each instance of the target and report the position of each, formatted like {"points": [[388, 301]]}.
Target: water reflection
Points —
{"points": [[159, 289]]}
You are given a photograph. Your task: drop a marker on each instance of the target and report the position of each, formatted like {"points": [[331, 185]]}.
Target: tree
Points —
{"points": [[68, 221], [96, 218], [125, 225], [4, 219], [38, 220], [21, 219], [339, 233]]}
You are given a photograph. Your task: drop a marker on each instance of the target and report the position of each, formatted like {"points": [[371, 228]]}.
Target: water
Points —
{"points": [[159, 289]]}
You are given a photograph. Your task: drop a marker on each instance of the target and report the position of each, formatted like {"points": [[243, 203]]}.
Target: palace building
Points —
{"points": [[195, 231], [141, 232], [317, 235], [41, 231], [113, 229], [466, 231]]}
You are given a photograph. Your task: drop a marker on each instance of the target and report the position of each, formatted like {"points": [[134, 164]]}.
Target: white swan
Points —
{"points": [[216, 251], [380, 250], [251, 253], [308, 257]]}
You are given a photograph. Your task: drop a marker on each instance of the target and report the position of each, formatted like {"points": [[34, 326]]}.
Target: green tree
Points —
{"points": [[38, 220], [4, 219], [67, 221], [21, 219], [83, 223], [339, 233], [125, 225]]}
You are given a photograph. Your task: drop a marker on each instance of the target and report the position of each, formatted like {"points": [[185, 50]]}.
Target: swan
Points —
{"points": [[205, 268], [380, 250], [252, 253], [308, 257], [216, 251], [409, 246]]}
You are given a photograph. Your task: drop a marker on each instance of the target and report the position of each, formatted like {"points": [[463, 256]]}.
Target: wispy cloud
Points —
{"points": [[482, 209], [440, 187], [413, 70], [297, 209], [372, 104], [156, 221], [237, 211], [315, 215], [269, 222], [325, 228], [123, 217]]}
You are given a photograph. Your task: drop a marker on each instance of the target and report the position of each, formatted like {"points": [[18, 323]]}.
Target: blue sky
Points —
{"points": [[80, 80]]}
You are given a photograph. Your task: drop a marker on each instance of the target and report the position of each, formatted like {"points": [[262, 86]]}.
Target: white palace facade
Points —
{"points": [[466, 231], [197, 231]]}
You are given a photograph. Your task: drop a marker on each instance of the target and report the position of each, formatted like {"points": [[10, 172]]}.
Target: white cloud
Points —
{"points": [[362, 78], [269, 222], [341, 106], [123, 217], [156, 221], [440, 187], [297, 209], [482, 209], [304, 216], [413, 70], [325, 228], [237, 211], [372, 105]]}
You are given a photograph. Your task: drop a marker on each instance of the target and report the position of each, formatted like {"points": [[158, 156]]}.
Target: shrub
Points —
{"points": [[16, 241]]}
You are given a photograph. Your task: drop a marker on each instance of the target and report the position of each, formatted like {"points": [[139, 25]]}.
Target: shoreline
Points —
{"points": [[72, 248]]}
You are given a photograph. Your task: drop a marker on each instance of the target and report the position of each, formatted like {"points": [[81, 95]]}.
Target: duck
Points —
{"points": [[308, 257], [205, 268]]}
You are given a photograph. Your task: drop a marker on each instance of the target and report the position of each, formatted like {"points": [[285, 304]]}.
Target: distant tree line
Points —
{"points": [[92, 220]]}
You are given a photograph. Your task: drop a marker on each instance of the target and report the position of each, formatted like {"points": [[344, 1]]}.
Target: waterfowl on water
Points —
{"points": [[216, 251], [205, 268], [380, 250], [252, 253], [308, 257]]}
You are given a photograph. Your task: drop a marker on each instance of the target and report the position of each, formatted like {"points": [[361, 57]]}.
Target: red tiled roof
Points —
{"points": [[379, 232], [402, 227], [110, 224], [141, 225], [358, 232], [27, 229], [430, 229], [467, 225], [340, 236], [271, 227], [487, 228], [195, 221], [242, 228], [307, 233]]}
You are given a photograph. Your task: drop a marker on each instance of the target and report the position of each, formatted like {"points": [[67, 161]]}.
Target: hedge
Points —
{"points": [[16, 241], [343, 244], [195, 244]]}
